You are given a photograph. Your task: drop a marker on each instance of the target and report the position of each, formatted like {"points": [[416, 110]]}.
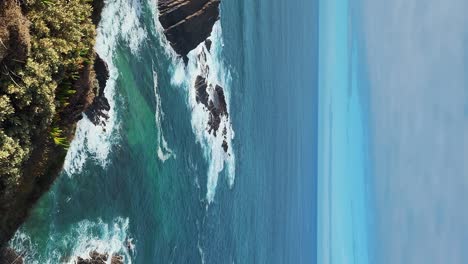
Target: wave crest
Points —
{"points": [[120, 20]]}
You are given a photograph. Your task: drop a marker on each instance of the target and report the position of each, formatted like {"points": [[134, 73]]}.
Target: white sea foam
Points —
{"points": [[201, 252], [79, 241], [103, 237], [164, 152], [23, 245], [119, 21], [212, 146]]}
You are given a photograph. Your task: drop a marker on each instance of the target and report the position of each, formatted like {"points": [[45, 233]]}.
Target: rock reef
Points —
{"points": [[100, 258], [212, 97], [187, 23]]}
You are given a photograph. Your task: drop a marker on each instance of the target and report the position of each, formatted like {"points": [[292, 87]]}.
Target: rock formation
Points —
{"points": [[187, 23], [98, 258], [215, 104], [97, 112], [212, 98]]}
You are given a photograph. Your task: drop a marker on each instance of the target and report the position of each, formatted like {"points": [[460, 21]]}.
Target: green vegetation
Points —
{"points": [[44, 46]]}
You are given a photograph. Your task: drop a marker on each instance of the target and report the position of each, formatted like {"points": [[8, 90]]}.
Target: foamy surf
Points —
{"points": [[163, 151], [184, 76], [81, 239], [101, 237], [218, 159], [119, 21]]}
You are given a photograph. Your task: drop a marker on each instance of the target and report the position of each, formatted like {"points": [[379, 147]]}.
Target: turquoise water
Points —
{"points": [[344, 222], [155, 176]]}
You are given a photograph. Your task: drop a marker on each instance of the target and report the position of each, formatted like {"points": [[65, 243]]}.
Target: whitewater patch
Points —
{"points": [[164, 152], [78, 241], [217, 74], [184, 76], [120, 22], [102, 237]]}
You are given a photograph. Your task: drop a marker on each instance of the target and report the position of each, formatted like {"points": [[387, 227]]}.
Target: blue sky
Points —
{"points": [[416, 55], [417, 61]]}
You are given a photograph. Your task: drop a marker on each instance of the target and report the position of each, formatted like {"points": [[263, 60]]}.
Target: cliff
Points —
{"points": [[49, 77], [187, 23]]}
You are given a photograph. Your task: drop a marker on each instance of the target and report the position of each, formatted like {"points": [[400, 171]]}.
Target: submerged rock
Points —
{"points": [[187, 23], [99, 258]]}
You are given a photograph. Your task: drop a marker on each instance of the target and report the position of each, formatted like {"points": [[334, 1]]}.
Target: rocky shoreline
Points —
{"points": [[46, 159]]}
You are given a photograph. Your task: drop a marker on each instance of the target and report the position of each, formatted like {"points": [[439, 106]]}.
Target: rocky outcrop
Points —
{"points": [[102, 73], [218, 109], [97, 112], [98, 5], [201, 93], [187, 23], [212, 98], [99, 258]]}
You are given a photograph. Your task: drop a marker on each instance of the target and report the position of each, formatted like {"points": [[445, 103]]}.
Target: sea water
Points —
{"points": [[154, 175], [344, 218]]}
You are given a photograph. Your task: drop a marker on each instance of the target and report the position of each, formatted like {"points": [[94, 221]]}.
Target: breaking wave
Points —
{"points": [[212, 145], [79, 241], [184, 76], [119, 22]]}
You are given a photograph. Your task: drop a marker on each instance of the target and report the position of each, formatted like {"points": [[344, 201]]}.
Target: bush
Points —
{"points": [[34, 91]]}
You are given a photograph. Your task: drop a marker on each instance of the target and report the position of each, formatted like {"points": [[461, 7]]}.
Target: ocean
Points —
{"points": [[153, 174], [345, 209]]}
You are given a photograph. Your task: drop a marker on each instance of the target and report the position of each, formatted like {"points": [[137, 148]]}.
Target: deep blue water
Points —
{"points": [[147, 176]]}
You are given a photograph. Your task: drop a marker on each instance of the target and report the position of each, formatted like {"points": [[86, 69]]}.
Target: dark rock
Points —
{"points": [[97, 112], [201, 92], [98, 258], [217, 106], [225, 146], [220, 102], [8, 255], [187, 23], [117, 259], [102, 73], [215, 118], [98, 5], [208, 44]]}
